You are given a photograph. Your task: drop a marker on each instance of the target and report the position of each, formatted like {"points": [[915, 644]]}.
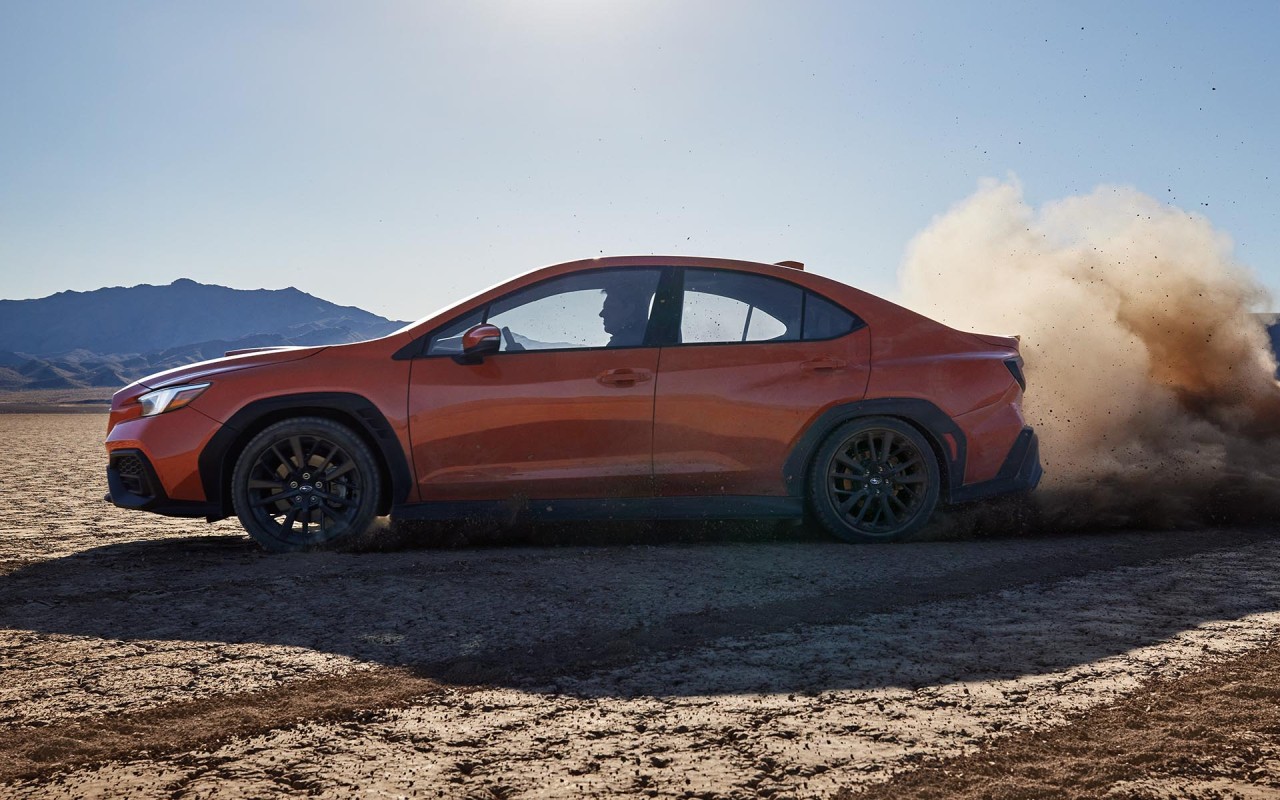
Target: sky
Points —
{"points": [[400, 155]]}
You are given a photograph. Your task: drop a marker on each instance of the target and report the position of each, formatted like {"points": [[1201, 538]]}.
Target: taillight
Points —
{"points": [[1015, 368]]}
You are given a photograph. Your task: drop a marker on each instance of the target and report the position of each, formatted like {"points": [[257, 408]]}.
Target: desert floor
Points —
{"points": [[148, 657]]}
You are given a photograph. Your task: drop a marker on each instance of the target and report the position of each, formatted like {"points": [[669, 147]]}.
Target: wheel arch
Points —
{"points": [[218, 459], [939, 430]]}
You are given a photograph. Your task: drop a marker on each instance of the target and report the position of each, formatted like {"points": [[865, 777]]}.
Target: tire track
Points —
{"points": [[1214, 733], [181, 727]]}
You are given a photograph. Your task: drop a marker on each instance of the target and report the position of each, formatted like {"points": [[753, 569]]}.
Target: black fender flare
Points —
{"points": [[217, 459], [926, 417]]}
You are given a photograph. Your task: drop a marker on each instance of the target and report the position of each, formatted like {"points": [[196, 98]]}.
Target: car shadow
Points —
{"points": [[705, 610], [415, 535]]}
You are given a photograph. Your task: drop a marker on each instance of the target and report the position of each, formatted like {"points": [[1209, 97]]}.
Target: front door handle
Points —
{"points": [[622, 378], [823, 364]]}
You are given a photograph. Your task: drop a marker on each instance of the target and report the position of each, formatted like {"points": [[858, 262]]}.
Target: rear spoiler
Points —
{"points": [[1010, 342]]}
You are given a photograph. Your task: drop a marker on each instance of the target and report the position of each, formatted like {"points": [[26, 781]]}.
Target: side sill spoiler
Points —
{"points": [[604, 508]]}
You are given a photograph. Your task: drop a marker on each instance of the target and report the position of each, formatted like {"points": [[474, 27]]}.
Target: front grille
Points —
{"points": [[128, 465]]}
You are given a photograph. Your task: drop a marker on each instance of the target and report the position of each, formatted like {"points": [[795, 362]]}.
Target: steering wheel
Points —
{"points": [[512, 344]]}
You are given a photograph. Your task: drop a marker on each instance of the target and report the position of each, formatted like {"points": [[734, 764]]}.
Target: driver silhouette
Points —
{"points": [[626, 313]]}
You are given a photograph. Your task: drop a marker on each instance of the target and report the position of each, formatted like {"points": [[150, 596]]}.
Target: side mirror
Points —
{"points": [[478, 342]]}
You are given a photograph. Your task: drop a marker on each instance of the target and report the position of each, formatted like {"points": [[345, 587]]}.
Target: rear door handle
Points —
{"points": [[823, 365], [622, 378]]}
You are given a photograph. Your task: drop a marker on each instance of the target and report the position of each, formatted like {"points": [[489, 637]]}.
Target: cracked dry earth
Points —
{"points": [[146, 657]]}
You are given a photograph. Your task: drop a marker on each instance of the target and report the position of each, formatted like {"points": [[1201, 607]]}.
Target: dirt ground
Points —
{"points": [[56, 401], [146, 657]]}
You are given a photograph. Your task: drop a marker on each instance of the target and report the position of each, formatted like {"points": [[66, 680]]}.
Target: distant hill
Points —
{"points": [[109, 337], [140, 319]]}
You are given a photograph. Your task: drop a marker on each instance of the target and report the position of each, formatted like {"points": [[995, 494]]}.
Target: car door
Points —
{"points": [[756, 358], [564, 410]]}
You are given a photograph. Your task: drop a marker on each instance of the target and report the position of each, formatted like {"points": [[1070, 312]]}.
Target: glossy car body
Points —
{"points": [[666, 424]]}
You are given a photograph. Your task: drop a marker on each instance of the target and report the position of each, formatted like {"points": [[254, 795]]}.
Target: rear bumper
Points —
{"points": [[133, 484], [1020, 472]]}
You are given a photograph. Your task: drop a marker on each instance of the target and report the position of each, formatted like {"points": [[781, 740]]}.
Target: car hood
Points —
{"points": [[203, 370]]}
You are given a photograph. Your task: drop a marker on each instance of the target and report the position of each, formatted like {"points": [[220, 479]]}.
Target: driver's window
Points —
{"points": [[601, 308]]}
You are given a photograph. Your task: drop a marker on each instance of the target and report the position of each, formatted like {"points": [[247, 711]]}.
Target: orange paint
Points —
{"points": [[665, 419]]}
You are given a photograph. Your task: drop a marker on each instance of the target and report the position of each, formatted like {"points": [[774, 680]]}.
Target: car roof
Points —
{"points": [[674, 261], [809, 280]]}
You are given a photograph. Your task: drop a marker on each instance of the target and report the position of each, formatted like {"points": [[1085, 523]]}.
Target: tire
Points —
{"points": [[307, 483], [874, 480]]}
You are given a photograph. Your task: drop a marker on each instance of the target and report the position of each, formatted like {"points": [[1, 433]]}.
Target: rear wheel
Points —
{"points": [[306, 484], [874, 480]]}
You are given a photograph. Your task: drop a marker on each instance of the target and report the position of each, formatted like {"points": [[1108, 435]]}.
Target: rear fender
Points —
{"points": [[946, 438]]}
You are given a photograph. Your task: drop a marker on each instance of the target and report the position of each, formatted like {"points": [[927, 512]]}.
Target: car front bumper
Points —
{"points": [[153, 463], [132, 483]]}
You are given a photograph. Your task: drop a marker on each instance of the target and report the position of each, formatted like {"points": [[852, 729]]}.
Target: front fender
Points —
{"points": [[217, 460]]}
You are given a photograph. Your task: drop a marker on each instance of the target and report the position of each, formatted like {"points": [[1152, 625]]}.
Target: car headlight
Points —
{"points": [[169, 398]]}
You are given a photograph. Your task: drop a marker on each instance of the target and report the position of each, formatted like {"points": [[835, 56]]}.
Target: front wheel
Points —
{"points": [[874, 480], [305, 484]]}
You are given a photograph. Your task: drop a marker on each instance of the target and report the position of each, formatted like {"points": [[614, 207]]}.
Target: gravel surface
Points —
{"points": [[732, 663]]}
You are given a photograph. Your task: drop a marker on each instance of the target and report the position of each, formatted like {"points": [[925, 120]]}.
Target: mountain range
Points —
{"points": [[109, 337]]}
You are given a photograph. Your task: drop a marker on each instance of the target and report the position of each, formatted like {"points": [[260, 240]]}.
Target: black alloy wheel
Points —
{"points": [[306, 484], [874, 480]]}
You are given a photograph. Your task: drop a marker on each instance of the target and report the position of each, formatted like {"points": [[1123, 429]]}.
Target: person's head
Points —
{"points": [[626, 306]]}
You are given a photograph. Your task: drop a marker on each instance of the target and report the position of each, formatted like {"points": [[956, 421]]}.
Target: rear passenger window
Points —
{"points": [[824, 319], [722, 306]]}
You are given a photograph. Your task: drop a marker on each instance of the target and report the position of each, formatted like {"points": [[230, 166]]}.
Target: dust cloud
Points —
{"points": [[1150, 381]]}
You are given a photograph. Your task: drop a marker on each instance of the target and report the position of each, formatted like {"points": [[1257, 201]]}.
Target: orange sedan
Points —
{"points": [[631, 387]]}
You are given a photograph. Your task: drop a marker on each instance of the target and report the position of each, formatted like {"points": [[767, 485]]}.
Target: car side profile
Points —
{"points": [[625, 387]]}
